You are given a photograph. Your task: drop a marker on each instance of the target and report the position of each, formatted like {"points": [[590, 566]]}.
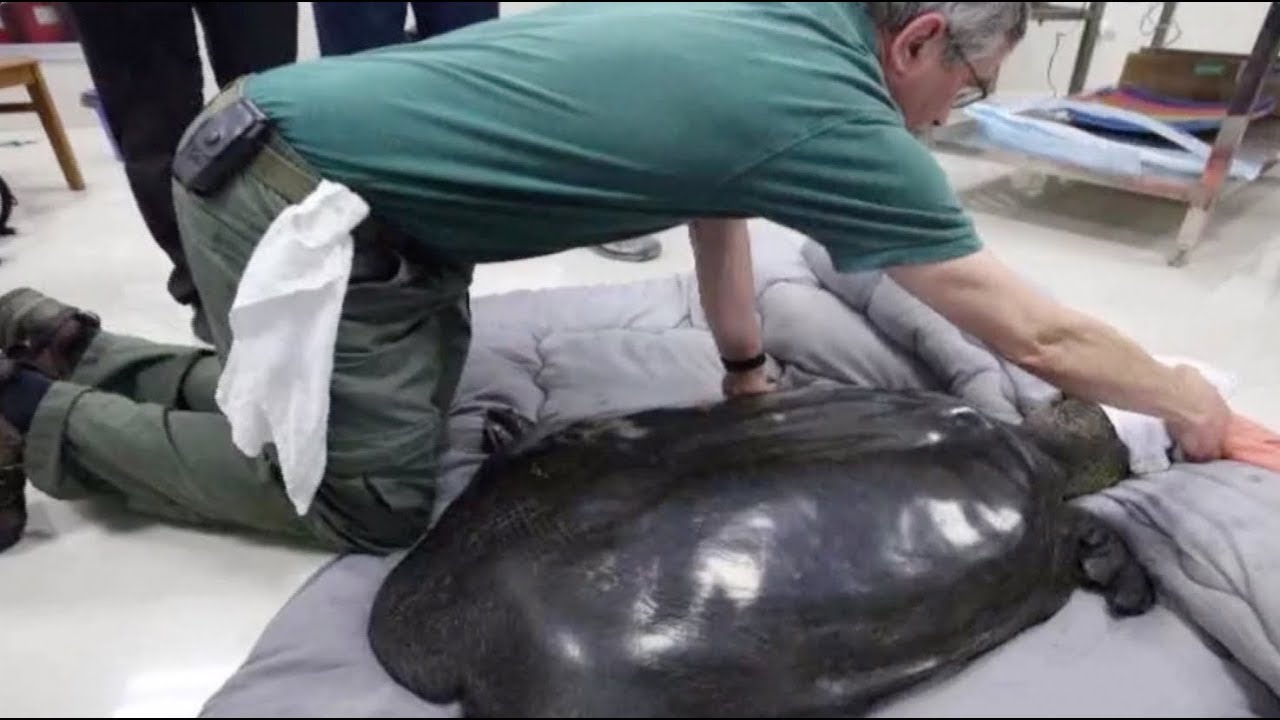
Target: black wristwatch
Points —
{"points": [[742, 366]]}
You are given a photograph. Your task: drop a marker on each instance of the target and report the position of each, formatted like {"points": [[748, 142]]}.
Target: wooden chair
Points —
{"points": [[26, 71]]}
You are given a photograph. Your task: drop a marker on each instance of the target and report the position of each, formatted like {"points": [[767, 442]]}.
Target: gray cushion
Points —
{"points": [[569, 353]]}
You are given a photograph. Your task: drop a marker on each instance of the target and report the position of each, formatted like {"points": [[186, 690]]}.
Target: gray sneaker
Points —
{"points": [[13, 479], [642, 249]]}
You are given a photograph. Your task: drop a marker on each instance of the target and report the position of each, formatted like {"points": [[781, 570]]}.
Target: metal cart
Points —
{"points": [[1238, 137], [1091, 15]]}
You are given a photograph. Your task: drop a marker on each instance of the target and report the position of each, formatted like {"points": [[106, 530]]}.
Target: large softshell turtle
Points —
{"points": [[802, 553]]}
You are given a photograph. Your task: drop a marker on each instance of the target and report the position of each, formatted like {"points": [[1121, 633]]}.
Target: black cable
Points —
{"points": [[1048, 73], [7, 201]]}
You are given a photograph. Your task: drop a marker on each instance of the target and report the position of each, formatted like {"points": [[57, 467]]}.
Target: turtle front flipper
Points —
{"points": [[1104, 562]]}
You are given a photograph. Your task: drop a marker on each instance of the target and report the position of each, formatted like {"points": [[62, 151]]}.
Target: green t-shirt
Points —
{"points": [[588, 122]]}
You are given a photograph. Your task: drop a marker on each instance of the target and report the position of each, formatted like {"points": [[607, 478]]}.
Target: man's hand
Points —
{"points": [[1202, 433], [753, 382], [1079, 355]]}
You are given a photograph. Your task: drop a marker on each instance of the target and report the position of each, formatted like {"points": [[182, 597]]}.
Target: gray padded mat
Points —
{"points": [[1211, 534], [314, 661]]}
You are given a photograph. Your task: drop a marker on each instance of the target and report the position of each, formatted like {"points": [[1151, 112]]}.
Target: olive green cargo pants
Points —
{"points": [[137, 420]]}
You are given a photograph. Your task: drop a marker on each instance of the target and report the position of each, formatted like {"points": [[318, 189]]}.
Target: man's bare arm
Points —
{"points": [[726, 283], [1078, 354], [722, 261]]}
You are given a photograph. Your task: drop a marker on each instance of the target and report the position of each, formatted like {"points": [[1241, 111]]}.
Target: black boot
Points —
{"points": [[44, 333], [13, 479]]}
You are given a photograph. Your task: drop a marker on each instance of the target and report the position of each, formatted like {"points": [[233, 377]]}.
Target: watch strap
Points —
{"points": [[747, 365]]}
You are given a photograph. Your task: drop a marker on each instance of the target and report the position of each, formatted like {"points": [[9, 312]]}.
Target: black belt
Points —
{"points": [[289, 176], [273, 168]]}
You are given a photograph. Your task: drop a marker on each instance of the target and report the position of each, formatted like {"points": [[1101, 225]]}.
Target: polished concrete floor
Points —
{"points": [[106, 615]]}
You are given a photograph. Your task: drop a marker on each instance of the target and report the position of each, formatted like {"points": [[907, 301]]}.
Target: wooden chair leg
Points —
{"points": [[49, 117]]}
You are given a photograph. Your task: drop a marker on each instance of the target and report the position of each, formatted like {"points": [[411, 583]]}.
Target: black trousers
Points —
{"points": [[351, 27], [145, 63]]}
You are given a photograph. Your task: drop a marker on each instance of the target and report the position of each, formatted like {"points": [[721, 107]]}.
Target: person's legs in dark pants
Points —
{"points": [[145, 64], [248, 37], [343, 28], [438, 18]]}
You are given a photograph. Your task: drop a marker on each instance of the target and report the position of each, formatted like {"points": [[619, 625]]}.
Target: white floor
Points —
{"points": [[109, 616]]}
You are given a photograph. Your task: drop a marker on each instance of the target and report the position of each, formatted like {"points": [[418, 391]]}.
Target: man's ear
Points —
{"points": [[920, 43]]}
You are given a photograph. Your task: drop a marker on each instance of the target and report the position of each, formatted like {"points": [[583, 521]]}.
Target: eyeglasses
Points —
{"points": [[969, 94]]}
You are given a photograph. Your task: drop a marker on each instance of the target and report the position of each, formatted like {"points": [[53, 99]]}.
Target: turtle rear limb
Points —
{"points": [[1104, 563]]}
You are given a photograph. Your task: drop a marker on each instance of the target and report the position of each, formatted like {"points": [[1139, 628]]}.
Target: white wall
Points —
{"points": [[1227, 26], [1221, 27]]}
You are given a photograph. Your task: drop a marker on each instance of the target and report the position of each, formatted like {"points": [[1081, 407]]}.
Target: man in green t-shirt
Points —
{"points": [[568, 127]]}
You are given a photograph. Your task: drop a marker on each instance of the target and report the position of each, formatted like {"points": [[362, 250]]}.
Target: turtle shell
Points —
{"points": [[801, 553]]}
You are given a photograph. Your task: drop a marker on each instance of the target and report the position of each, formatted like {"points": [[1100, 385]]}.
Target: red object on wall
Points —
{"points": [[36, 22]]}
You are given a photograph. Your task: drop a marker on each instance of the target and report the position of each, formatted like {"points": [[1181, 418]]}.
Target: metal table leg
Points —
{"points": [[1204, 199], [1162, 26], [1088, 42]]}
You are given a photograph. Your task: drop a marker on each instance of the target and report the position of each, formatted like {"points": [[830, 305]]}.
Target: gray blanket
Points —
{"points": [[1210, 534]]}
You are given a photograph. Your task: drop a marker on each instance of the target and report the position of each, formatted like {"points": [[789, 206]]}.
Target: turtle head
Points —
{"points": [[1082, 439]]}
